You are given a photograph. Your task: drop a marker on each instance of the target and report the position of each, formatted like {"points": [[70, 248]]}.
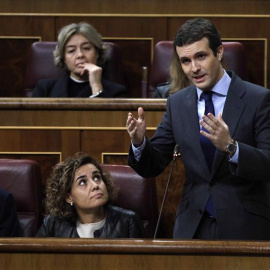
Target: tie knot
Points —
{"points": [[206, 95]]}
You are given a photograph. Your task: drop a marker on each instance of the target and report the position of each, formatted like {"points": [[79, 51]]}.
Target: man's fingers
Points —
{"points": [[141, 113], [205, 134], [130, 118], [207, 120]]}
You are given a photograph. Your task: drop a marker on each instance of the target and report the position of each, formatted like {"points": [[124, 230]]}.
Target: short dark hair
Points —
{"points": [[194, 30], [58, 185]]}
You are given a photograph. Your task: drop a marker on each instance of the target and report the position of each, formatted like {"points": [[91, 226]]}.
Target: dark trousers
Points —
{"points": [[207, 229]]}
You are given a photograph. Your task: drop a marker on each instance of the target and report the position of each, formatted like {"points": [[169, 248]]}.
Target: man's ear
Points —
{"points": [[220, 51]]}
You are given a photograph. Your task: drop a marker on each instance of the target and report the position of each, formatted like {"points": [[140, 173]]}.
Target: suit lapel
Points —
{"points": [[233, 109], [234, 105]]}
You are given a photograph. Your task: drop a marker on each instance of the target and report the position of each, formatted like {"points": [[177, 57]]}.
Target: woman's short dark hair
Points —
{"points": [[58, 185], [85, 29]]}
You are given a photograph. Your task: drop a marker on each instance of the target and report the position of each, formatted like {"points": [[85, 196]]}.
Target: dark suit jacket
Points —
{"points": [[9, 223], [120, 223], [59, 88], [241, 194]]}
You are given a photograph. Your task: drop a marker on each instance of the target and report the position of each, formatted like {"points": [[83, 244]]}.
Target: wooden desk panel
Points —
{"points": [[49, 130], [74, 113], [50, 253]]}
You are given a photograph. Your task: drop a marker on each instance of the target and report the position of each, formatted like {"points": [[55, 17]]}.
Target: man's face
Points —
{"points": [[198, 62]]}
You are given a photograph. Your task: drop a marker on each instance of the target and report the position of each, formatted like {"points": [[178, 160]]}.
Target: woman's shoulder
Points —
{"points": [[56, 227], [126, 221], [118, 215], [43, 87], [50, 220], [47, 82]]}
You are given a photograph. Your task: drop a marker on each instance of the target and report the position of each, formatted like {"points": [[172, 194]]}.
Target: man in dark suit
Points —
{"points": [[226, 194], [9, 223]]}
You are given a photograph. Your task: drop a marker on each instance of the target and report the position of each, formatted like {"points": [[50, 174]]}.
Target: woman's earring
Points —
{"points": [[71, 203]]}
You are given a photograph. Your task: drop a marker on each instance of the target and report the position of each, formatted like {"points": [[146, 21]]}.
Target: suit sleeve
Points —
{"points": [[9, 223], [254, 160], [158, 151]]}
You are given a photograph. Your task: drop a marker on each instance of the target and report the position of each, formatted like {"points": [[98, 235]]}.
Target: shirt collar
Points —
{"points": [[75, 80], [222, 86]]}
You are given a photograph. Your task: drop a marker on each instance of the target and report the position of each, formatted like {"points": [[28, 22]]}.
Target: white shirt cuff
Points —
{"points": [[137, 151]]}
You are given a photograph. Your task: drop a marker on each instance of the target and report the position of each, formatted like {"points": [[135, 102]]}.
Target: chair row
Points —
{"points": [[23, 179], [41, 64]]}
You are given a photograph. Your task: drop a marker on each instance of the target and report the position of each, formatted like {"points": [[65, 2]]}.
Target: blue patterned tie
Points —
{"points": [[208, 148]]}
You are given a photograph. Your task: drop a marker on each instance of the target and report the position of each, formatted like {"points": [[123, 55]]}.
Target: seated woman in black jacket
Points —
{"points": [[80, 52], [78, 200]]}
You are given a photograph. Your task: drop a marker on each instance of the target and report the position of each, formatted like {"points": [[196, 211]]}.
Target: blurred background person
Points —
{"points": [[79, 194], [9, 223], [81, 53], [178, 79]]}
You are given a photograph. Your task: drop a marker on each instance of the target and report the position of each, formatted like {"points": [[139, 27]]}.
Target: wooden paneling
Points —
{"points": [[130, 26], [105, 141], [16, 36], [172, 198], [136, 53], [257, 61], [113, 261], [143, 254], [28, 26], [138, 6], [57, 113], [12, 65], [71, 142], [41, 140]]}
